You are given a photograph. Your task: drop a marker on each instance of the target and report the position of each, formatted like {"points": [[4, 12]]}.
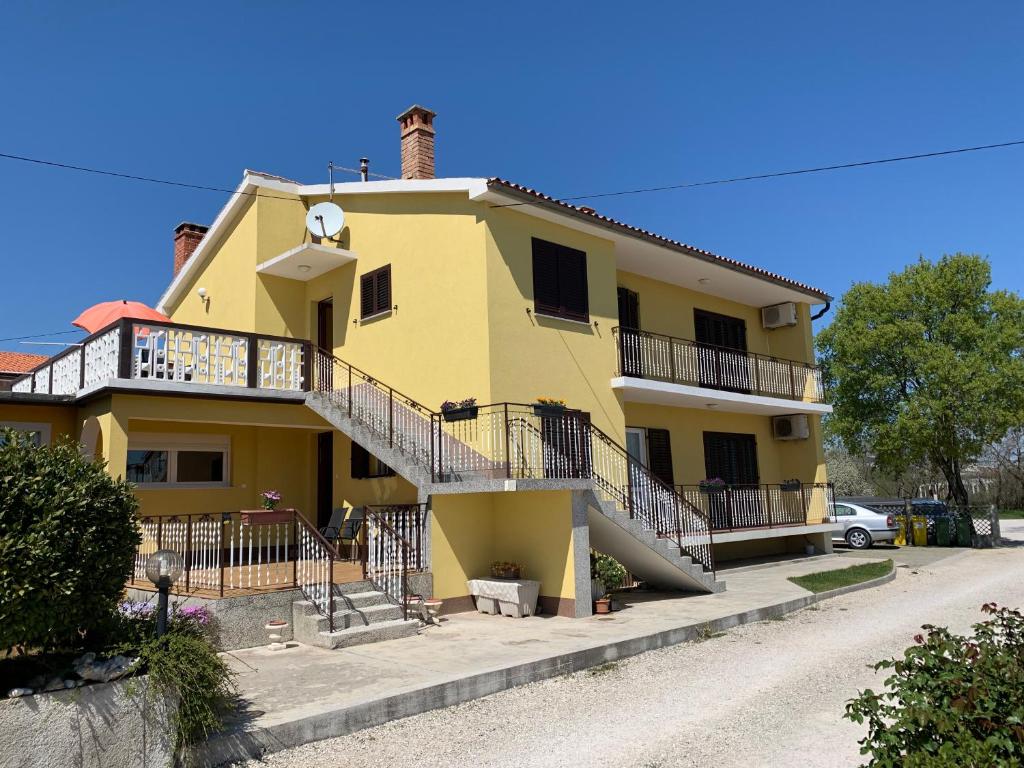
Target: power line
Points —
{"points": [[166, 182], [778, 174], [40, 335]]}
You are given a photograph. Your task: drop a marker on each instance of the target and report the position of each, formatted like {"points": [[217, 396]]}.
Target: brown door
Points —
{"points": [[733, 458], [325, 342], [631, 362], [722, 350], [324, 477]]}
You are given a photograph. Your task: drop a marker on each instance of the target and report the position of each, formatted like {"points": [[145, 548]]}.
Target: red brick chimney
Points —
{"points": [[417, 142], [187, 237]]}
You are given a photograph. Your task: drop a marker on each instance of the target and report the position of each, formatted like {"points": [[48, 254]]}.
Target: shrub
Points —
{"points": [[68, 535], [951, 700], [607, 570]]}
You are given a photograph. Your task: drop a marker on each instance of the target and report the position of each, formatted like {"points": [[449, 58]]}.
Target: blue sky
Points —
{"points": [[568, 98]]}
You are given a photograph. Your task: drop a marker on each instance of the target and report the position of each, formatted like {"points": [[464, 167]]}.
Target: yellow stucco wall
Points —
{"points": [[61, 419], [777, 460], [349, 492], [532, 528]]}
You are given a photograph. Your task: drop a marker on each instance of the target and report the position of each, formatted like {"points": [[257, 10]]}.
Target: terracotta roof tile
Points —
{"points": [[586, 211], [19, 362]]}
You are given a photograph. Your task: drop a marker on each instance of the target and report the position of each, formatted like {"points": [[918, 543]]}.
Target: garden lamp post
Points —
{"points": [[163, 568]]}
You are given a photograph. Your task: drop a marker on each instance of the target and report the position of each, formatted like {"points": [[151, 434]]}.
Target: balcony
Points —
{"points": [[143, 356], [665, 370]]}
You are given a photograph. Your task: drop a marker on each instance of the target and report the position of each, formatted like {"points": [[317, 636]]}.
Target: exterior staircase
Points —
{"points": [[634, 517], [362, 614]]}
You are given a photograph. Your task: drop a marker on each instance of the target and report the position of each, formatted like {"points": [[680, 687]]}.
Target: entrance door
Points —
{"points": [[324, 477], [722, 350], [733, 458], [630, 348], [325, 342]]}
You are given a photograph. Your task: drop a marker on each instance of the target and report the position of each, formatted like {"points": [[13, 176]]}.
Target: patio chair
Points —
{"points": [[350, 532], [332, 530]]}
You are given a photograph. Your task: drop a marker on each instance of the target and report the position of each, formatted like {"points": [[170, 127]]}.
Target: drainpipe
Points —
{"points": [[364, 169], [824, 309]]}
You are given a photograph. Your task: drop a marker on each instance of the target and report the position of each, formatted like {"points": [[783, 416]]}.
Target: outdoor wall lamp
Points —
{"points": [[163, 568]]}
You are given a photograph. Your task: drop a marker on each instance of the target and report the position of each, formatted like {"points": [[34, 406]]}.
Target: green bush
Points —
{"points": [[951, 700], [68, 534], [607, 570]]}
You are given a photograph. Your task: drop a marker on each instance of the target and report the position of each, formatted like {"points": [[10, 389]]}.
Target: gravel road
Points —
{"points": [[767, 694]]}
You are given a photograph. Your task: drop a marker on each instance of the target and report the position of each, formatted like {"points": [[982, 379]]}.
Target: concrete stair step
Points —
{"points": [[387, 630], [364, 617], [360, 600]]}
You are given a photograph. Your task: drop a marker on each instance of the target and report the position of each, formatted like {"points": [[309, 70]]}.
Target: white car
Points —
{"points": [[863, 527]]}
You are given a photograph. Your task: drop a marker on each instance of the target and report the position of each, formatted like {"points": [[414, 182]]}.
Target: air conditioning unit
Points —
{"points": [[790, 427], [778, 315]]}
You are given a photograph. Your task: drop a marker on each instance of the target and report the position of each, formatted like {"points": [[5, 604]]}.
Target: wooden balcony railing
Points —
{"points": [[647, 355], [767, 505], [157, 351]]}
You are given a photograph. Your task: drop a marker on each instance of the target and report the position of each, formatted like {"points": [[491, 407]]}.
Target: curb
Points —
{"points": [[228, 748]]}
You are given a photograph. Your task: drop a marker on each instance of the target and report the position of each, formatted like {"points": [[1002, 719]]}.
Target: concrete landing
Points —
{"points": [[305, 694]]}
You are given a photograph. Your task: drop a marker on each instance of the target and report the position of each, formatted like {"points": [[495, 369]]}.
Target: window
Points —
{"points": [[375, 292], [560, 281], [842, 509], [731, 457], [38, 433], [652, 448], [366, 465], [178, 460]]}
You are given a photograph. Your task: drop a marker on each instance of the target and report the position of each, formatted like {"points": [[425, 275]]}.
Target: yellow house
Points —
{"points": [[315, 331]]}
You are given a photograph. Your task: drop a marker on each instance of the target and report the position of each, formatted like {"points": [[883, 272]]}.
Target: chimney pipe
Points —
{"points": [[417, 124], [364, 168], [187, 237]]}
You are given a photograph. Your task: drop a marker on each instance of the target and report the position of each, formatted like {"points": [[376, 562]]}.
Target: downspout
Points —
{"points": [[824, 309]]}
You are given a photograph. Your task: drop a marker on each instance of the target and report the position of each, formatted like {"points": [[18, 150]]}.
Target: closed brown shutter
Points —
{"points": [[732, 457], [560, 281], [375, 292], [659, 453], [629, 308]]}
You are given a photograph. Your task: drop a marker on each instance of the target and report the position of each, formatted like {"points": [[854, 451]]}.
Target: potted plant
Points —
{"points": [[270, 499], [505, 570], [549, 406], [461, 410], [610, 574], [712, 485], [791, 485]]}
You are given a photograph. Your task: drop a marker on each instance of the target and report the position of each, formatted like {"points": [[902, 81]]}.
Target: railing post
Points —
{"points": [[220, 554], [159, 532], [124, 361], [672, 359], [307, 366], [295, 543], [391, 417], [803, 501], [364, 548], [349, 390], [792, 380], [728, 507], [508, 453], [188, 551], [252, 361], [629, 486], [330, 589], [433, 464], [757, 374], [768, 499]]}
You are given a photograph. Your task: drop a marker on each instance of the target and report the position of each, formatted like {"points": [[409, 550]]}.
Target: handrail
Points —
{"points": [[382, 573], [314, 568], [644, 354]]}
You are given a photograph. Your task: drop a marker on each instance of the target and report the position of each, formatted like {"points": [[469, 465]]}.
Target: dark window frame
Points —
{"points": [[366, 466], [371, 303], [744, 453], [560, 289]]}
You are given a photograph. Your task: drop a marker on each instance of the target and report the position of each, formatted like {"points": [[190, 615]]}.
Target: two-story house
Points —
{"points": [[315, 363]]}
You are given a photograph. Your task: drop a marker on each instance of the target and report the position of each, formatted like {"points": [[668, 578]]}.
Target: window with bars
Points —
{"points": [[375, 292], [560, 281]]}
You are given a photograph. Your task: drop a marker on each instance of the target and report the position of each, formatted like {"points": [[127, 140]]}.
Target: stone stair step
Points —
{"points": [[349, 618], [360, 600], [387, 630]]}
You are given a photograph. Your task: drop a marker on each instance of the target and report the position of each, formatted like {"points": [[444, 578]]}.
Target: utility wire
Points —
{"points": [[167, 182], [41, 335], [778, 174]]}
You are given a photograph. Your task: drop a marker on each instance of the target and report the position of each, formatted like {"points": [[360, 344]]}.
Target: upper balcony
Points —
{"points": [[664, 370], [141, 356]]}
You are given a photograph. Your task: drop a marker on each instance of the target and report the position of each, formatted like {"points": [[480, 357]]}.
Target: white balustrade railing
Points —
{"points": [[387, 560], [182, 354], [67, 373], [314, 570], [41, 380], [102, 355], [24, 384], [280, 364]]}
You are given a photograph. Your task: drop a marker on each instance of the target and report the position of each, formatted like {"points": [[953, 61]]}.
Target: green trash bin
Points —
{"points": [[963, 530], [942, 532]]}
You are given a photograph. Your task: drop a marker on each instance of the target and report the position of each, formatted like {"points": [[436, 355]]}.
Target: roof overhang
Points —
{"points": [[306, 262]]}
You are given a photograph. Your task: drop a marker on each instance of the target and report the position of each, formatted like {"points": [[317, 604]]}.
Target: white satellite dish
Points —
{"points": [[325, 219]]}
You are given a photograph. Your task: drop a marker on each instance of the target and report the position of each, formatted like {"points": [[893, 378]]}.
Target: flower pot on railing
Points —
{"points": [[549, 408], [461, 414], [791, 485], [712, 486], [266, 516]]}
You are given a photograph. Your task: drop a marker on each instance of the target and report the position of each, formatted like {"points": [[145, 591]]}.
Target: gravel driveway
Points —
{"points": [[767, 694]]}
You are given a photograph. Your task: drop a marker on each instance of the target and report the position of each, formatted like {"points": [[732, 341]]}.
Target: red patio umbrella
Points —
{"points": [[101, 315]]}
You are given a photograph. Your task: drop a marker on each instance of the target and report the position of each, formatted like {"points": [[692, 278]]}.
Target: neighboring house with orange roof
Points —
{"points": [[14, 365], [316, 362]]}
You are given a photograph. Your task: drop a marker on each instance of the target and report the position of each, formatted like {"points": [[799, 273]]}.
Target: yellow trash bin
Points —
{"points": [[901, 534], [919, 524]]}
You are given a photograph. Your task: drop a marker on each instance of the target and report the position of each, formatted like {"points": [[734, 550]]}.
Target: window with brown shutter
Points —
{"points": [[365, 465], [375, 292], [659, 455], [560, 281], [731, 457]]}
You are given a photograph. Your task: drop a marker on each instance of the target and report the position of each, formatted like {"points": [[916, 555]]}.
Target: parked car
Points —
{"points": [[863, 527]]}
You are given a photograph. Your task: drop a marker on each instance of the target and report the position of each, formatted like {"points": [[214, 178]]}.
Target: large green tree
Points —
{"points": [[927, 367]]}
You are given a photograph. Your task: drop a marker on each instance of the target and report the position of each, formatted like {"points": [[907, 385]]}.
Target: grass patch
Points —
{"points": [[608, 666], [842, 577], [1011, 514]]}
